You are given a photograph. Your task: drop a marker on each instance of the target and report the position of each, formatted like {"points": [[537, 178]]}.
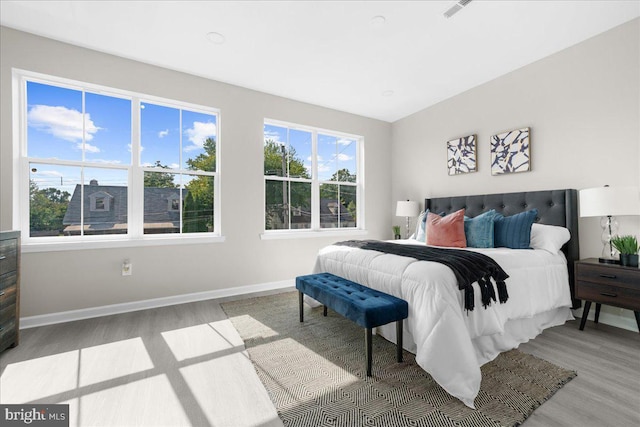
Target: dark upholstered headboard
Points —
{"points": [[555, 207]]}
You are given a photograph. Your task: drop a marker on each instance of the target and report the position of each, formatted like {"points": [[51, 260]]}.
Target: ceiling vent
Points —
{"points": [[456, 8]]}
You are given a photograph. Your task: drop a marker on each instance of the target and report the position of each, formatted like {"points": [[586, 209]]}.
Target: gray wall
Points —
{"points": [[68, 280], [583, 107]]}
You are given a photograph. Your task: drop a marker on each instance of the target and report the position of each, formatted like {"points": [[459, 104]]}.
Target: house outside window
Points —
{"points": [[312, 178], [102, 161]]}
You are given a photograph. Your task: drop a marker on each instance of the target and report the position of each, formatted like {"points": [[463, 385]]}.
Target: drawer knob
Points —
{"points": [[606, 294], [608, 276]]}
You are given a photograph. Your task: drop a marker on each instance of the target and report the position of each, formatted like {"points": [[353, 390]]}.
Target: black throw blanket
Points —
{"points": [[468, 267]]}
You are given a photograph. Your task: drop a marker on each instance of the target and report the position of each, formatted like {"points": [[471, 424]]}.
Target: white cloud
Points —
{"points": [[163, 133], [106, 162], [61, 122], [273, 136], [345, 141], [344, 157], [88, 147], [198, 134]]}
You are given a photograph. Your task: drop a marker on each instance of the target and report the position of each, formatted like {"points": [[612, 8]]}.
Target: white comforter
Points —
{"points": [[450, 343]]}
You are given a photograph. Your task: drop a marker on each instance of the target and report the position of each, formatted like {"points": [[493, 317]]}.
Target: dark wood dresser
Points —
{"points": [[9, 289], [609, 284]]}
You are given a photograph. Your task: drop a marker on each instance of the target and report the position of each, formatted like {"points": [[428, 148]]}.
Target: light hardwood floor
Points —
{"points": [[186, 365]]}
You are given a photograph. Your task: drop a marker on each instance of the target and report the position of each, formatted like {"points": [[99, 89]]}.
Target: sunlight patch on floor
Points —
{"points": [[235, 391], [40, 377], [117, 359], [257, 329], [151, 401], [200, 340]]}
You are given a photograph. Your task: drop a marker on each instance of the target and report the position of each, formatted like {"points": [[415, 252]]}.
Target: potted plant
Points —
{"points": [[628, 248], [396, 232]]}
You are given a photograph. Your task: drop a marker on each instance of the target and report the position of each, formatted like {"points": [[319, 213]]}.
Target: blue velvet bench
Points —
{"points": [[365, 306]]}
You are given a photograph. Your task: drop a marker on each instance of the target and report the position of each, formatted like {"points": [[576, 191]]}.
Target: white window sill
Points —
{"points": [[68, 245], [288, 234]]}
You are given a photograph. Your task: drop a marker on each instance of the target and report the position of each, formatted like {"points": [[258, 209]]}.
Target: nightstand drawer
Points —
{"points": [[8, 255], [606, 294], [617, 276], [9, 279], [8, 296], [8, 334]]}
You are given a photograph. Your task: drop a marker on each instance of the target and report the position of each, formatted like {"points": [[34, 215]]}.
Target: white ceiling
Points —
{"points": [[329, 53]]}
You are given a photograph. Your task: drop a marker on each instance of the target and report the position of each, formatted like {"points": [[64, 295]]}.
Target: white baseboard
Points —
{"points": [[107, 310], [611, 319]]}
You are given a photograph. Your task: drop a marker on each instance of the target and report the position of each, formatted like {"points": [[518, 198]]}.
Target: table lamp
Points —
{"points": [[408, 209], [608, 202]]}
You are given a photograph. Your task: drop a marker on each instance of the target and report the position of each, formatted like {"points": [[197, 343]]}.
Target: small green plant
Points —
{"points": [[396, 230], [626, 244]]}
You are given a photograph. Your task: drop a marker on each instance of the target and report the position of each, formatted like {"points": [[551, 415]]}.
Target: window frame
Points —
{"points": [[316, 230], [135, 171]]}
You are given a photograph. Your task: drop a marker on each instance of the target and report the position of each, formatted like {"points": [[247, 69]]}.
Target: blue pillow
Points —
{"points": [[514, 231], [479, 230]]}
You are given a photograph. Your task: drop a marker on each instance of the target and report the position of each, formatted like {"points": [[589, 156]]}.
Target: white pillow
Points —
{"points": [[548, 237]]}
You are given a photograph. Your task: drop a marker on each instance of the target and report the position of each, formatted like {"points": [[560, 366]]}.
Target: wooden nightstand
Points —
{"points": [[609, 284]]}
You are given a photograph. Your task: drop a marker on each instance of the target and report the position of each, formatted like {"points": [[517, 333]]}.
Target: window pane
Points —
{"points": [[327, 154], [105, 201], [108, 129], [329, 206], [54, 122], [348, 216], [346, 158], [197, 208], [199, 141], [337, 206], [299, 154], [159, 136], [50, 191], [300, 211], [275, 150], [276, 205], [161, 203]]}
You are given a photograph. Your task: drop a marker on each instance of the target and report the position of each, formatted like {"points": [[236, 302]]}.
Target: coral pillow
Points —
{"points": [[447, 231]]}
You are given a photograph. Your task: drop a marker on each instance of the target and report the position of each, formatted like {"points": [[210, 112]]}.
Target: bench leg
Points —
{"points": [[367, 341], [300, 303], [399, 341], [324, 310]]}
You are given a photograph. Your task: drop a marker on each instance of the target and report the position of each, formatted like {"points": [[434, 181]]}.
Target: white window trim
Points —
{"points": [[135, 234], [315, 230]]}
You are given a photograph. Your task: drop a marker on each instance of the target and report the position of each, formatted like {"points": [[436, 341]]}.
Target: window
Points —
{"points": [[312, 179], [102, 161]]}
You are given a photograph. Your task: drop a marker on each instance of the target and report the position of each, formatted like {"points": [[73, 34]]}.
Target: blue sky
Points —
{"points": [[55, 131], [334, 153]]}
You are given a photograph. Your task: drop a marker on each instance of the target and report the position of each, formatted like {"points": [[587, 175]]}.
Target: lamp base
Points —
{"points": [[608, 261]]}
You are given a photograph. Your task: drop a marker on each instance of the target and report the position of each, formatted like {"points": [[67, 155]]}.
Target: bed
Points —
{"points": [[452, 343]]}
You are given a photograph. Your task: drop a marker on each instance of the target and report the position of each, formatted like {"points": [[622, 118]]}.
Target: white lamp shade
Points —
{"points": [[407, 208], [614, 201]]}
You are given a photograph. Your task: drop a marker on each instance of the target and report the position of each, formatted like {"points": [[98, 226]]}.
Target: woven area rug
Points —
{"points": [[315, 374]]}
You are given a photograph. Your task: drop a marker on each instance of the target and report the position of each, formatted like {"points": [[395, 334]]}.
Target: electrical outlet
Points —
{"points": [[127, 268]]}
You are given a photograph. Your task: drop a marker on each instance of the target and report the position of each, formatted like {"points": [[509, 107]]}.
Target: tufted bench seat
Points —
{"points": [[365, 306]]}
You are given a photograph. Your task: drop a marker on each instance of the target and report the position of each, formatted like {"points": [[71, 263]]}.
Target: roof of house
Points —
{"points": [[156, 206]]}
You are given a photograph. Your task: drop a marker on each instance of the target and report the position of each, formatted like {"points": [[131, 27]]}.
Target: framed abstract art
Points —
{"points": [[461, 155], [510, 152]]}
